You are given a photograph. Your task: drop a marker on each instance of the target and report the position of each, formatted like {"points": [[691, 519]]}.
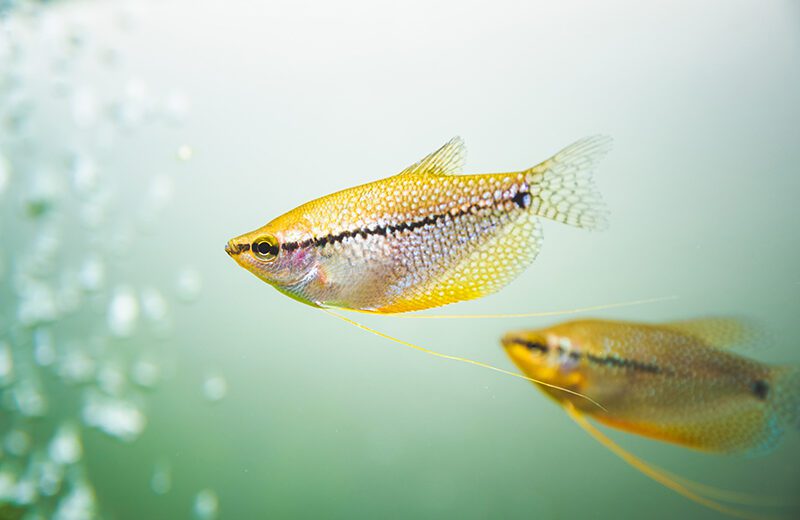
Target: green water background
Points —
{"points": [[290, 101]]}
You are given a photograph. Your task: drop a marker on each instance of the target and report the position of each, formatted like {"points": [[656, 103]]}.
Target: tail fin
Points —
{"points": [[785, 399], [562, 186]]}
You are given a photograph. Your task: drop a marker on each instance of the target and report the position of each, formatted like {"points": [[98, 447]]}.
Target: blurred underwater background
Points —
{"points": [[143, 374]]}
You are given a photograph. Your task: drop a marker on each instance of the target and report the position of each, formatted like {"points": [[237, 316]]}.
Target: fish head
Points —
{"points": [[544, 356], [528, 349], [263, 253]]}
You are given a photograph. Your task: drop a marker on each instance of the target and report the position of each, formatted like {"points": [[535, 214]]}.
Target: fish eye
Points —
{"points": [[265, 248], [536, 346]]}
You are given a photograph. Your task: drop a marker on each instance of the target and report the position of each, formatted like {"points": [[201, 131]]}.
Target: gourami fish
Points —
{"points": [[674, 382], [424, 237]]}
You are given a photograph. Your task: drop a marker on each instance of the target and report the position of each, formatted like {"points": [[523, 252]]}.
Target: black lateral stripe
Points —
{"points": [[624, 363], [521, 200]]}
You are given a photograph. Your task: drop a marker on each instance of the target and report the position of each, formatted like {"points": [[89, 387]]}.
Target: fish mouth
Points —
{"points": [[234, 249], [510, 340]]}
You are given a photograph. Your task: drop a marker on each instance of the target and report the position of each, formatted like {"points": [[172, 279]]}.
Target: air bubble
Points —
{"points": [[206, 505], [189, 284], [154, 305], [76, 366], [6, 364], [111, 379], [123, 312], [37, 303], [145, 373], [29, 399], [65, 447], [161, 481], [185, 152], [44, 352], [215, 388], [78, 504], [115, 417], [25, 492], [17, 442], [84, 174], [51, 475], [5, 173], [176, 106], [8, 485], [92, 274]]}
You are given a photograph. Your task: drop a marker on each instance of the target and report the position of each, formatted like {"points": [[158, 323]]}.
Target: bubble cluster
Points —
{"points": [[82, 327]]}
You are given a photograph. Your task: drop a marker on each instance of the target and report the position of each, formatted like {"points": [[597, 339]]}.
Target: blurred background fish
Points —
{"points": [[676, 382]]}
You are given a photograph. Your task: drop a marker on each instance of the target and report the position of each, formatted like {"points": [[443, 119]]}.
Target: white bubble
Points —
{"points": [[185, 152], [123, 312], [25, 492], [176, 106], [78, 504], [37, 303], [92, 274], [111, 379], [159, 193], [51, 475], [206, 505], [69, 293], [85, 107], [17, 442], [215, 388], [8, 485], [145, 373], [76, 366], [84, 174], [6, 364], [132, 109], [94, 209], [115, 417], [189, 284], [29, 399], [5, 173], [44, 351], [161, 481], [154, 305], [65, 447]]}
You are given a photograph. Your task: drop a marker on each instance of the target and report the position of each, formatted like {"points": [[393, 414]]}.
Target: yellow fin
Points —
{"points": [[447, 160], [488, 267], [720, 332], [539, 314], [692, 490]]}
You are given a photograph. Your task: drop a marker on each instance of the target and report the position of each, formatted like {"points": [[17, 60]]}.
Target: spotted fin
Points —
{"points": [[744, 425], [447, 160], [718, 331], [562, 186], [489, 266]]}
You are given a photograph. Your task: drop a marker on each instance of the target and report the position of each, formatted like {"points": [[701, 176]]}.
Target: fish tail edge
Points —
{"points": [[563, 187], [785, 400]]}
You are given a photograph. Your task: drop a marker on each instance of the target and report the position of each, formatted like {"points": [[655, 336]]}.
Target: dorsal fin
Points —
{"points": [[718, 331], [447, 160]]}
